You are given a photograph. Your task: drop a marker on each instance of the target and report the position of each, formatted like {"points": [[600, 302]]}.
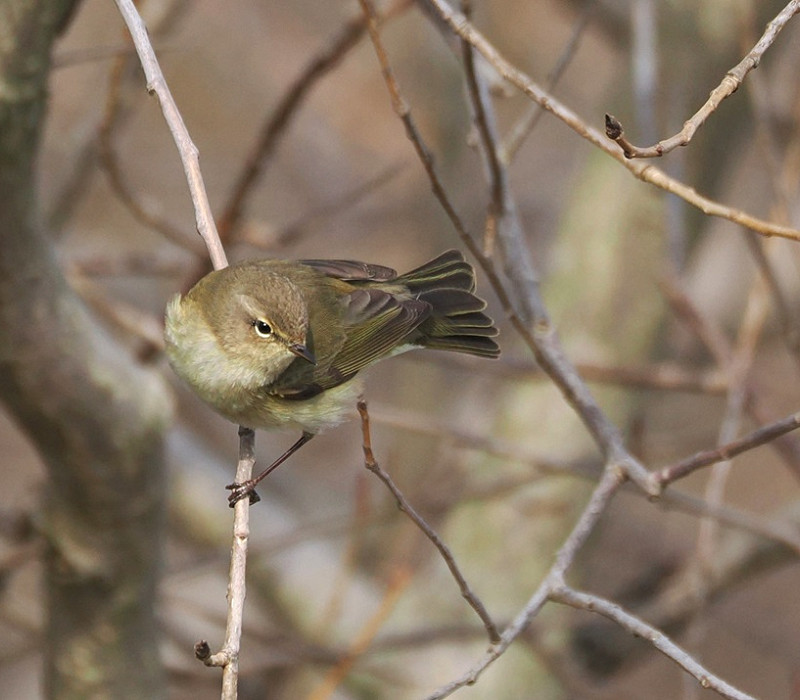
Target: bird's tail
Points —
{"points": [[457, 321]]}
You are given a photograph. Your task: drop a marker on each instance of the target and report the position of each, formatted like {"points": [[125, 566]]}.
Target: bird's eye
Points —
{"points": [[262, 327]]}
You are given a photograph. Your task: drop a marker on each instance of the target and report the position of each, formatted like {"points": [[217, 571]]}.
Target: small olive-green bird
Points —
{"points": [[270, 343]]}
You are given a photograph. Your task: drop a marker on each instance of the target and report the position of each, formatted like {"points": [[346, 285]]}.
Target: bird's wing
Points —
{"points": [[352, 270], [375, 323]]}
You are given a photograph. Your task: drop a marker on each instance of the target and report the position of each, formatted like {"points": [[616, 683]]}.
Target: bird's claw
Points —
{"points": [[239, 491]]}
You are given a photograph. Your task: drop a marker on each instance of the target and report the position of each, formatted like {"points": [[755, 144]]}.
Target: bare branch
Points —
{"points": [[532, 322], [371, 464], [228, 656]]}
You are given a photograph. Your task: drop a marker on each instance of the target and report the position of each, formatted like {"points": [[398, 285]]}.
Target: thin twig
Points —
{"points": [[730, 83], [402, 503], [228, 656], [639, 628], [186, 148], [644, 171]]}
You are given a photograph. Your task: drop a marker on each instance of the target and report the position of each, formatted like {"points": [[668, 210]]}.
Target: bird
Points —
{"points": [[276, 343]]}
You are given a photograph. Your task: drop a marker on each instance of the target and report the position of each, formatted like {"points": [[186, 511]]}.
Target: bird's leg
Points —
{"points": [[248, 488]]}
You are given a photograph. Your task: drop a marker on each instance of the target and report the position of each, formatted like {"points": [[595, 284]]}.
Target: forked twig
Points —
{"points": [[730, 84], [605, 490], [644, 171]]}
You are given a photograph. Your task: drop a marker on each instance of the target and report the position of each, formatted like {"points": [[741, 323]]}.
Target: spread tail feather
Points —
{"points": [[456, 322]]}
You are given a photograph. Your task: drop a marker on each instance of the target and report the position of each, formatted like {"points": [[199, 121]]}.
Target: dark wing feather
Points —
{"points": [[352, 270], [377, 321]]}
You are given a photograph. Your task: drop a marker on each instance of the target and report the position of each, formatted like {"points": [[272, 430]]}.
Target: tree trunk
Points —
{"points": [[95, 416]]}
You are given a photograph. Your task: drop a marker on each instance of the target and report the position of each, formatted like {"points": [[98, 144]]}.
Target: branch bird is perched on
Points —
{"points": [[270, 343]]}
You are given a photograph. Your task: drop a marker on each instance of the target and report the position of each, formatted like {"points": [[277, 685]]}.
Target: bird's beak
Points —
{"points": [[302, 351]]}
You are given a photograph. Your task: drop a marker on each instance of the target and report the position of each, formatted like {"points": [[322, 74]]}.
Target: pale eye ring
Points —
{"points": [[263, 328]]}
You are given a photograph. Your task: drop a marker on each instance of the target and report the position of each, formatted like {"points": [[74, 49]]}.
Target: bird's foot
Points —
{"points": [[239, 491]]}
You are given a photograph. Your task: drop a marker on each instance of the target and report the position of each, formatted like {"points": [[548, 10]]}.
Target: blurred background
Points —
{"points": [[671, 316]]}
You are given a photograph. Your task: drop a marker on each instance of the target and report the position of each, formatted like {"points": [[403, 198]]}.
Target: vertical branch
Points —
{"points": [[521, 272], [228, 656]]}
